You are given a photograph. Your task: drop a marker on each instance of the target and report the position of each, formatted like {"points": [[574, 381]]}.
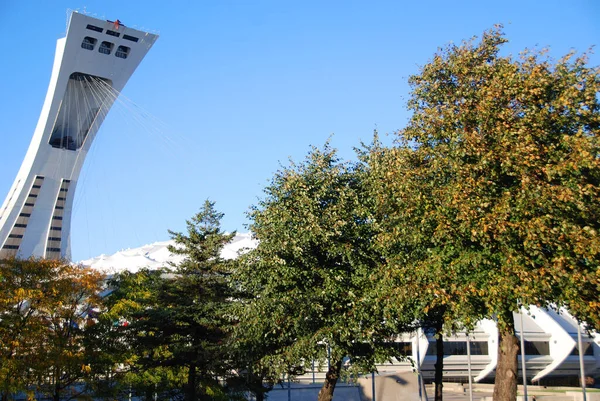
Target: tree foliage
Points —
{"points": [[177, 320], [494, 184], [45, 317], [314, 272]]}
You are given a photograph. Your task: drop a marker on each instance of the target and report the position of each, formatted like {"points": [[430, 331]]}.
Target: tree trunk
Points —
{"points": [[190, 392], [331, 378], [505, 386], [439, 362]]}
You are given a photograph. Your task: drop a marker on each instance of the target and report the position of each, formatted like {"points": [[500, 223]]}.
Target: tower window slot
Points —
{"points": [[112, 33], [94, 28], [89, 43], [105, 47], [132, 38], [84, 98], [122, 51]]}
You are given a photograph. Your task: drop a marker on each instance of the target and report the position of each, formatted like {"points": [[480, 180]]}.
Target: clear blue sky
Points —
{"points": [[240, 87]]}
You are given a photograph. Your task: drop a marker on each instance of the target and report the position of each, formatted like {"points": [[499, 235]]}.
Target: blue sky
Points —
{"points": [[236, 88]]}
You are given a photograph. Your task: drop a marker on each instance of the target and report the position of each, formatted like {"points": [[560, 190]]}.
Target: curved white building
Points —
{"points": [[93, 62]]}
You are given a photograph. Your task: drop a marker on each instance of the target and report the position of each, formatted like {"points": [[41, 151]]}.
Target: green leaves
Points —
{"points": [[312, 272]]}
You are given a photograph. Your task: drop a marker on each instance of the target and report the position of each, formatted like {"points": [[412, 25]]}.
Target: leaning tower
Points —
{"points": [[92, 65]]}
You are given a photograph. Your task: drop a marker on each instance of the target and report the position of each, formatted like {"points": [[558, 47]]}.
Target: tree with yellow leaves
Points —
{"points": [[44, 311], [492, 191]]}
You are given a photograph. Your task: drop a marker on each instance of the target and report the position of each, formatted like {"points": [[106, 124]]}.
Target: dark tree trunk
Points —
{"points": [[331, 379], [439, 362], [190, 391], [4, 396], [505, 387], [257, 388]]}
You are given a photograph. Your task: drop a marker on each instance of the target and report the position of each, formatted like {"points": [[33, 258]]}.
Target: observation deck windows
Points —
{"points": [[94, 28], [122, 52], [105, 47], [89, 43], [113, 33], [131, 38]]}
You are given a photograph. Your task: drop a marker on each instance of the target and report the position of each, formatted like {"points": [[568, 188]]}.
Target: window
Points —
{"points": [[15, 235], [459, 348], [56, 228], [122, 51], [57, 217], [587, 350], [81, 105], [94, 28], [132, 38], [21, 225], [10, 247], [105, 47], [88, 43], [52, 249], [537, 348], [113, 33], [25, 215]]}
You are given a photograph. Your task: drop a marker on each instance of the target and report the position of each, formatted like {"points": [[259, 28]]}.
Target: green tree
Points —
{"points": [[201, 301], [506, 151], [313, 273], [132, 355], [174, 322]]}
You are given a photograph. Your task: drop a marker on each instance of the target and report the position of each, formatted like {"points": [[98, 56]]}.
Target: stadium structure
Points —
{"points": [[92, 64]]}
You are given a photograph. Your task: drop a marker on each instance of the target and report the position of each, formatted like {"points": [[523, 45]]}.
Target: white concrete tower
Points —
{"points": [[93, 62]]}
